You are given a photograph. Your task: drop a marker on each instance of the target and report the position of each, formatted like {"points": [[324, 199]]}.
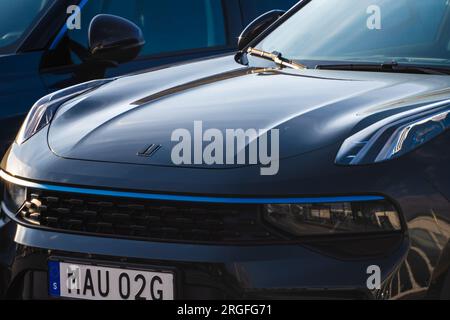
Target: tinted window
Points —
{"points": [[366, 30], [17, 16], [169, 25], [251, 9]]}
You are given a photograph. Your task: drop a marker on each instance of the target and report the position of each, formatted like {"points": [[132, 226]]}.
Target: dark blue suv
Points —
{"points": [[44, 44]]}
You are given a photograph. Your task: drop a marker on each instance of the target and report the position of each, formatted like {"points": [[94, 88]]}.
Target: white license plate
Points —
{"points": [[88, 282]]}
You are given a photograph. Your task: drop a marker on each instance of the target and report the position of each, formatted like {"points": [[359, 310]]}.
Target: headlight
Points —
{"points": [[333, 218], [394, 137], [14, 196], [41, 114]]}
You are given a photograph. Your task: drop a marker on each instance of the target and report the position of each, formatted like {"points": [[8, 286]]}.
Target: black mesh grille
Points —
{"points": [[145, 219]]}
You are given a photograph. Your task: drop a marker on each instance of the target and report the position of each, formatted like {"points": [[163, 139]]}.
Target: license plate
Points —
{"points": [[79, 281]]}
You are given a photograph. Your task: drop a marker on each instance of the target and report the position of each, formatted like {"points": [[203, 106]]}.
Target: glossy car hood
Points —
{"points": [[311, 108]]}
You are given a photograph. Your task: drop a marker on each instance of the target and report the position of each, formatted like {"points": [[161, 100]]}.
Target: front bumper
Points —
{"points": [[323, 269]]}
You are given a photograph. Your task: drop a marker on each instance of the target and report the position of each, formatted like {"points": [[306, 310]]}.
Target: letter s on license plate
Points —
{"points": [[87, 282]]}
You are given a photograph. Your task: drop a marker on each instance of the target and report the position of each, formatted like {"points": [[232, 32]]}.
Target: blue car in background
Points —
{"points": [[40, 52]]}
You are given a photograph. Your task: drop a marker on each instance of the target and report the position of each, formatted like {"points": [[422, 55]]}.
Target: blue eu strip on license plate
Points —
{"points": [[54, 278]]}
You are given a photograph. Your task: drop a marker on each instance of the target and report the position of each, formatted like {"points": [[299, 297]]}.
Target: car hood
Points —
{"points": [[311, 108]]}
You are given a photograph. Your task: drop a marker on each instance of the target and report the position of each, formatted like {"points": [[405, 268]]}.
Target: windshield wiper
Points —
{"points": [[276, 57], [386, 67]]}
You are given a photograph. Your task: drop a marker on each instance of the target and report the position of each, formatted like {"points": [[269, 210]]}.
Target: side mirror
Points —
{"points": [[114, 39], [257, 26]]}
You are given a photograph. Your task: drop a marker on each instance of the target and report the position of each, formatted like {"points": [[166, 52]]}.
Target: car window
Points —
{"points": [[372, 31], [17, 17], [168, 26], [251, 9]]}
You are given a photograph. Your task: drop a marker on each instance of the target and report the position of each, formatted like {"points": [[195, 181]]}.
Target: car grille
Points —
{"points": [[146, 219]]}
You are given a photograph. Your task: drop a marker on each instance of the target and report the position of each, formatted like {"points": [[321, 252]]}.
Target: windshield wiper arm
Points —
{"points": [[385, 67], [276, 57]]}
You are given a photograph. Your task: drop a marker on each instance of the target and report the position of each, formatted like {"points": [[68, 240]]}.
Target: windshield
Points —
{"points": [[16, 19], [366, 31]]}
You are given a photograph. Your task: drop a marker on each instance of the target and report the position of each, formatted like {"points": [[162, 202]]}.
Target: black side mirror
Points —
{"points": [[114, 39], [257, 26]]}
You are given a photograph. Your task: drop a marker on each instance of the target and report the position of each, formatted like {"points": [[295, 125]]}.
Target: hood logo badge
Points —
{"points": [[149, 151]]}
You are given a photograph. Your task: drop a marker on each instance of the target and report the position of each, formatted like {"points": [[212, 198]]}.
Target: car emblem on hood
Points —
{"points": [[149, 151]]}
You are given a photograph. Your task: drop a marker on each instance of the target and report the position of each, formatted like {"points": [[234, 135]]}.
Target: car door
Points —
{"points": [[174, 30], [20, 81]]}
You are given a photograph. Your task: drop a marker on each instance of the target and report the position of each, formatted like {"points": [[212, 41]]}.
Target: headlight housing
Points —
{"points": [[42, 112], [334, 218], [395, 136], [14, 196]]}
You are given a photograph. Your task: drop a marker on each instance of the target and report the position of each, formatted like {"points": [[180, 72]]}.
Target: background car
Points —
{"points": [[38, 54]]}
